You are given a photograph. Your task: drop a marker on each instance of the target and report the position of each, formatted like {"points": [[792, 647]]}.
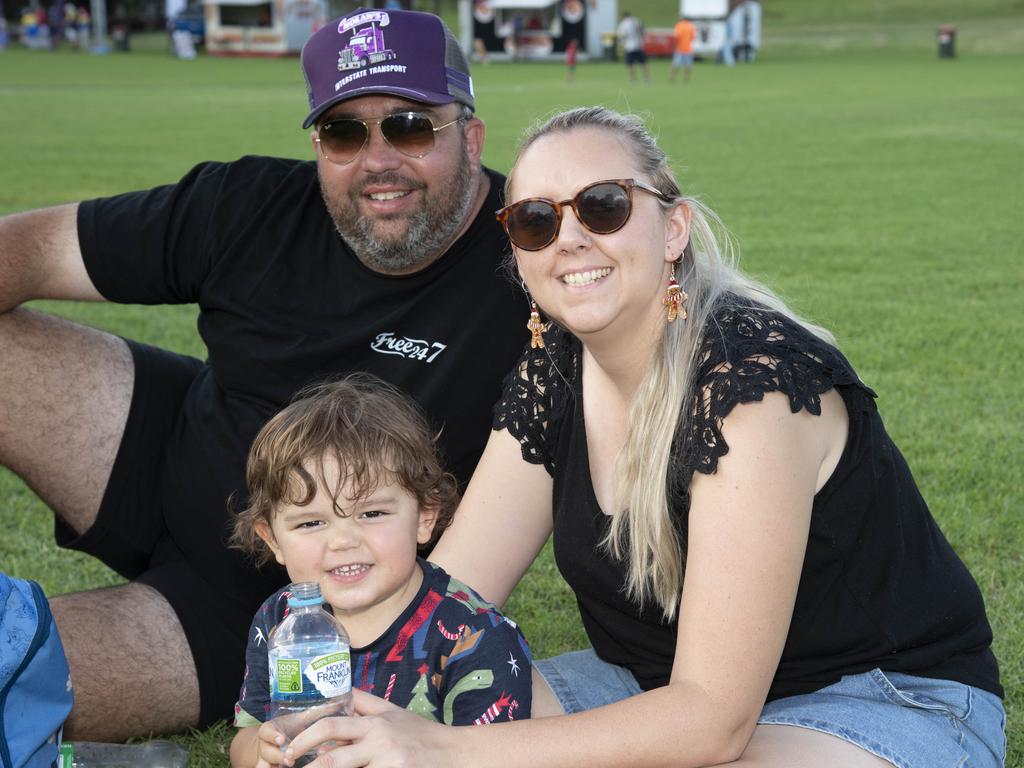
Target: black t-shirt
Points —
{"points": [[283, 303], [880, 586]]}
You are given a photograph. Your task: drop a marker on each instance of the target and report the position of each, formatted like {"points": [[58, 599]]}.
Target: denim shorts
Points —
{"points": [[682, 59], [912, 722]]}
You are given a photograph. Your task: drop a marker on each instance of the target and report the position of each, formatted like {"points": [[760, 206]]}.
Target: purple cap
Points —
{"points": [[402, 53]]}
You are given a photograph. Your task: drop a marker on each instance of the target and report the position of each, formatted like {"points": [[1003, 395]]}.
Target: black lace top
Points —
{"points": [[880, 587]]}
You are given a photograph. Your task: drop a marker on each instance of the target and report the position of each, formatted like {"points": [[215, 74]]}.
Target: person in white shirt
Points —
{"points": [[631, 37]]}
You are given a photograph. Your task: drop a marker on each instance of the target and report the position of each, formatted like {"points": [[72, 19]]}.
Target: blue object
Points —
{"points": [[907, 720], [35, 684], [191, 19]]}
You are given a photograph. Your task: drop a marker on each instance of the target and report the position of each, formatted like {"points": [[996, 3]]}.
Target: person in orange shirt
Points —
{"points": [[685, 33]]}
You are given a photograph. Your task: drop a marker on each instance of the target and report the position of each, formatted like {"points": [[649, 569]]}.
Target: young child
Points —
{"points": [[344, 487]]}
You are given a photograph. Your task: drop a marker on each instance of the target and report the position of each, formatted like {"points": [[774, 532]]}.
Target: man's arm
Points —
{"points": [[40, 258]]}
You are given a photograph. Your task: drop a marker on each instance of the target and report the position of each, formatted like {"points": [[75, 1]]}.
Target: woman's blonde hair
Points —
{"points": [[376, 434], [642, 530]]}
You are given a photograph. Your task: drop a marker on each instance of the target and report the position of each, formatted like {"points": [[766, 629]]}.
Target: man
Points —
{"points": [[684, 33], [631, 38], [382, 255]]}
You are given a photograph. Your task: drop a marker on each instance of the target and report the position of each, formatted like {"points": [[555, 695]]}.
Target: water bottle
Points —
{"points": [[149, 754], [310, 665]]}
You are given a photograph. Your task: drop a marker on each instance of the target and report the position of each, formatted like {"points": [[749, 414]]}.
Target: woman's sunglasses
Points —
{"points": [[602, 207], [411, 133]]}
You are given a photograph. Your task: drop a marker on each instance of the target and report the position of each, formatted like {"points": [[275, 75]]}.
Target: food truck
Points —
{"points": [[259, 28], [709, 17]]}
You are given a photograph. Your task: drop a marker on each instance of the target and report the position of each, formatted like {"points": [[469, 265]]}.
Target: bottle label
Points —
{"points": [[331, 674], [289, 675]]}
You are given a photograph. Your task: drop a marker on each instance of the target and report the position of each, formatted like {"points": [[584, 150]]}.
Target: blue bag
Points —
{"points": [[35, 685]]}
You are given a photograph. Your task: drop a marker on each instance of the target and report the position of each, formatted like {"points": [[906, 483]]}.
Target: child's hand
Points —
{"points": [[270, 744], [292, 724]]}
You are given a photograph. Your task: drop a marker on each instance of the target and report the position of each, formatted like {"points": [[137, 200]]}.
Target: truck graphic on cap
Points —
{"points": [[366, 46]]}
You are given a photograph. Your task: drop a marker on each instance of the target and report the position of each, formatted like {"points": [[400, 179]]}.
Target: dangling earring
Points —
{"points": [[535, 326], [674, 298]]}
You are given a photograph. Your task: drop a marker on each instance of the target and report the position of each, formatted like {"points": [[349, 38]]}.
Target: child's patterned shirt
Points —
{"points": [[451, 657]]}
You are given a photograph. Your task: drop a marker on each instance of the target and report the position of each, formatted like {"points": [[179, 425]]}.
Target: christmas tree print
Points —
{"points": [[420, 704]]}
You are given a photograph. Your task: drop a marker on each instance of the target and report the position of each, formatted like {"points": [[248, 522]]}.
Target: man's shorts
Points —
{"points": [[636, 57], [910, 721], [682, 60], [130, 533]]}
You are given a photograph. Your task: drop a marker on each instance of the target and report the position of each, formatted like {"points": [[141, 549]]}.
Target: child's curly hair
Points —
{"points": [[374, 432]]}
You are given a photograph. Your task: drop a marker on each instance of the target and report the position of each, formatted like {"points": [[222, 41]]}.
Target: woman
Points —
{"points": [[755, 569]]}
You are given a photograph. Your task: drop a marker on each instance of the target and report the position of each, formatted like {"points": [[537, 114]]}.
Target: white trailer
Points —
{"points": [[709, 17]]}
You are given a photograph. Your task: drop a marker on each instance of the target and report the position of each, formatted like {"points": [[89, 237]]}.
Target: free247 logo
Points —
{"points": [[415, 349]]}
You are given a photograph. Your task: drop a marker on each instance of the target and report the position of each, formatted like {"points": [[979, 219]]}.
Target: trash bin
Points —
{"points": [[119, 34], [608, 46], [947, 42]]}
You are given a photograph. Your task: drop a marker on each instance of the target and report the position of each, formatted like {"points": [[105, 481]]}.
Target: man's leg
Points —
{"points": [[65, 391], [65, 394], [131, 667]]}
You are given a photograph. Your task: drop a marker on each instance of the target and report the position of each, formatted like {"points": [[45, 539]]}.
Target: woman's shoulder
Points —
{"points": [[749, 350], [748, 346], [535, 393], [545, 372]]}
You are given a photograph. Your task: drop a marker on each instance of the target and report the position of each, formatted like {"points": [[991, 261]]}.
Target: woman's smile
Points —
{"points": [[586, 277]]}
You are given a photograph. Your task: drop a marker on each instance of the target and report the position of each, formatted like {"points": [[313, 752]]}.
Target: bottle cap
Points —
{"points": [[304, 593]]}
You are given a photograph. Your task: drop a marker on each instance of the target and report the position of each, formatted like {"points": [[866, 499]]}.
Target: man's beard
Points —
{"points": [[427, 232]]}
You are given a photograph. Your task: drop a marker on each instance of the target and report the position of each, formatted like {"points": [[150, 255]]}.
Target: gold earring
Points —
{"points": [[674, 298], [535, 327]]}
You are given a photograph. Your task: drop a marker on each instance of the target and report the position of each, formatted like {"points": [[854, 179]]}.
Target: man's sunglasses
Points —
{"points": [[602, 207], [411, 133]]}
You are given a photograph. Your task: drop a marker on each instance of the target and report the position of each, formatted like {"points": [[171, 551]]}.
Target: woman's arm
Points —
{"points": [[501, 524], [748, 528]]}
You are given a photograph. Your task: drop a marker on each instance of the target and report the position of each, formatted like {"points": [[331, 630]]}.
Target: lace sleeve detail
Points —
{"points": [[534, 395], [747, 352]]}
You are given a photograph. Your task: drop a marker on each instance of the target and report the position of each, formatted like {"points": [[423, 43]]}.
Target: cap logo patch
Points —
{"points": [[366, 46]]}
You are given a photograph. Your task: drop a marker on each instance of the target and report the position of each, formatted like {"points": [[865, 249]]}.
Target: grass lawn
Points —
{"points": [[877, 187]]}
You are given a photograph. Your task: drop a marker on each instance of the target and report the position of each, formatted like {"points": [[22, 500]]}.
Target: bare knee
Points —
{"points": [[131, 666]]}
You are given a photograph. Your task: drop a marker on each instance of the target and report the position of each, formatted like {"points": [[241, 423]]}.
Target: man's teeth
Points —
{"points": [[386, 195], [348, 570], [585, 278]]}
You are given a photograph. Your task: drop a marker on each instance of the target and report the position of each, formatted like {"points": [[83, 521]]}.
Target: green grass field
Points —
{"points": [[877, 187]]}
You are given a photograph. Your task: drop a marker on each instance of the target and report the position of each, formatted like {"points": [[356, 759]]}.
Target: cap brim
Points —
{"points": [[423, 97]]}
